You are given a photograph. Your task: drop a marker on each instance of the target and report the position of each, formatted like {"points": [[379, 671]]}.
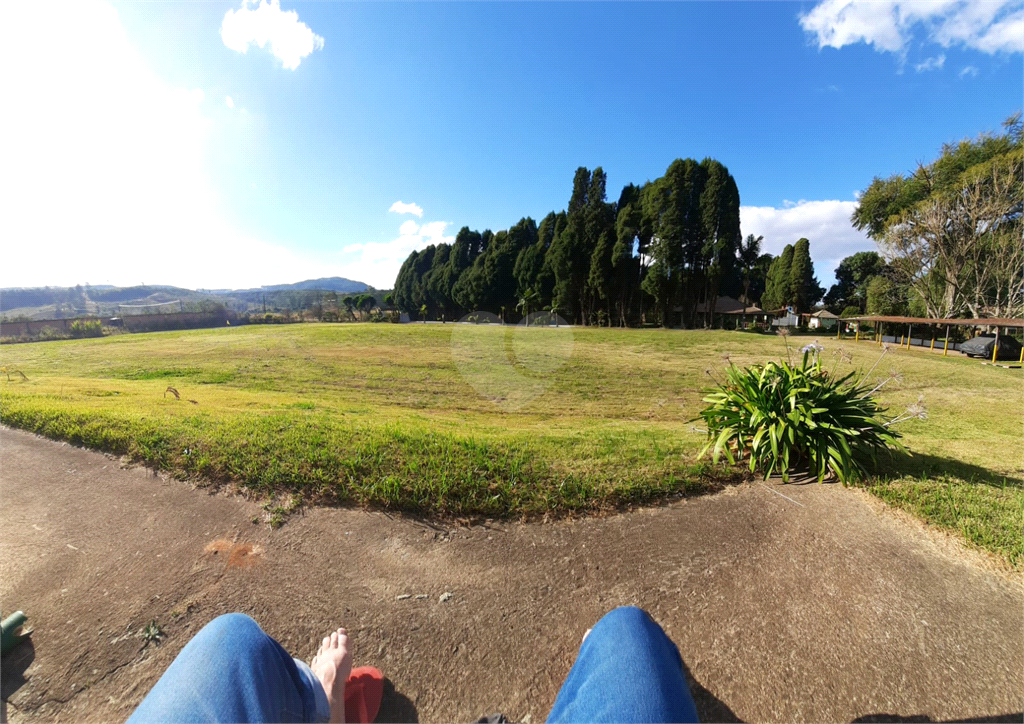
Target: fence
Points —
{"points": [[134, 323]]}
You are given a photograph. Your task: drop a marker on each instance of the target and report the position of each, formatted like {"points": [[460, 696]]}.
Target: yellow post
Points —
{"points": [[908, 336], [1021, 356], [932, 348], [878, 333], [945, 342], [995, 347], [856, 337], [839, 328]]}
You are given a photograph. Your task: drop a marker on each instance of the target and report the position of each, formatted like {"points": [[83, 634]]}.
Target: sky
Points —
{"points": [[237, 144]]}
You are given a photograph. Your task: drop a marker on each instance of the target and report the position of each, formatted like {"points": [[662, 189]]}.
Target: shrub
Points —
{"points": [[86, 328], [850, 311], [785, 416], [48, 333]]}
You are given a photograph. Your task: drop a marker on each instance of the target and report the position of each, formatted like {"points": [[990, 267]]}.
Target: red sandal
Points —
{"points": [[364, 689]]}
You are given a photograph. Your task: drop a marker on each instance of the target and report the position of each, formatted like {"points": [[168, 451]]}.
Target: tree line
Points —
{"points": [[656, 255]]}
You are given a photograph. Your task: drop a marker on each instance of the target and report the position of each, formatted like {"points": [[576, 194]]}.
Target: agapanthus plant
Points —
{"points": [[783, 417]]}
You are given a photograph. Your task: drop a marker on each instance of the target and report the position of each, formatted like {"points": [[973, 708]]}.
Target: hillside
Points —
{"points": [[326, 284], [106, 300]]}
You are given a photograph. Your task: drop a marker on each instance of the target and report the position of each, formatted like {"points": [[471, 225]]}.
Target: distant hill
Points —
{"points": [[327, 284], [61, 302]]}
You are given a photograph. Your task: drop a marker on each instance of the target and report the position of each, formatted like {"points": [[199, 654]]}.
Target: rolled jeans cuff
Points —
{"points": [[323, 707]]}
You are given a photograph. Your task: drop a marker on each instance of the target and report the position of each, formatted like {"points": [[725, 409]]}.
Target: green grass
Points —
{"points": [[987, 515], [380, 415]]}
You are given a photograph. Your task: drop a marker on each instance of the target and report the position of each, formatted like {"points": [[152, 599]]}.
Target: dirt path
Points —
{"points": [[825, 607]]}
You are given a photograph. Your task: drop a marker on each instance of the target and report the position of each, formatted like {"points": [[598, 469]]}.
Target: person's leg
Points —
{"points": [[232, 671], [627, 670]]}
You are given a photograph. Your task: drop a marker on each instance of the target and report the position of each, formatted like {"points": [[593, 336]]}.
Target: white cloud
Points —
{"points": [[969, 70], [826, 224], [229, 101], [935, 63], [399, 208], [264, 22], [377, 263], [104, 176], [890, 25]]}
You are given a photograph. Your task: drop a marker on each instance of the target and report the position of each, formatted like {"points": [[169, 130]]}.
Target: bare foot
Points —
{"points": [[332, 665]]}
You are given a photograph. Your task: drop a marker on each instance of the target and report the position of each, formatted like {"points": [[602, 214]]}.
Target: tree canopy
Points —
{"points": [[951, 230], [852, 277]]}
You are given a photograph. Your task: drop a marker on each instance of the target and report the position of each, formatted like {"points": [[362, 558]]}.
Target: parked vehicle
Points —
{"points": [[981, 346]]}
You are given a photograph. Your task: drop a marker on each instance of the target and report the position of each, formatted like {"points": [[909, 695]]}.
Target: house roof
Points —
{"points": [[976, 322], [824, 314], [728, 305]]}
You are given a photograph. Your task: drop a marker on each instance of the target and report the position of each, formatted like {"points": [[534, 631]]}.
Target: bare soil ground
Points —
{"points": [[818, 606]]}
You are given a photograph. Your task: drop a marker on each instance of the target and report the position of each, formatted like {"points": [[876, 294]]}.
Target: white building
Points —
{"points": [[822, 320]]}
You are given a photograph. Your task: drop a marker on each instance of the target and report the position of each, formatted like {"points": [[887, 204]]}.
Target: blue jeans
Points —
{"points": [[233, 672], [627, 671]]}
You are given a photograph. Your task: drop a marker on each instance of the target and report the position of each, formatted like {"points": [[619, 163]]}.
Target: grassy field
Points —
{"points": [[382, 415]]}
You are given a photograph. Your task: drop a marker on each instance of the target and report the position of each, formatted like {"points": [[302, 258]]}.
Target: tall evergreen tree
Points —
{"points": [[720, 216], [546, 279], [530, 261], [804, 289], [580, 186], [626, 266], [570, 252], [664, 248], [470, 291], [464, 251], [601, 277], [570, 263], [599, 241], [499, 264], [422, 266], [747, 257], [404, 282], [438, 293], [777, 291]]}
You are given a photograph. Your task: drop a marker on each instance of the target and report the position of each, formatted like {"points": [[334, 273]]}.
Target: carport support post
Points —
{"points": [[995, 347], [945, 342], [856, 337], [908, 336], [932, 349]]}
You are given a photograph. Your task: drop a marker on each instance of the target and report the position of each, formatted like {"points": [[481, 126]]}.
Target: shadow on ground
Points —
{"points": [[922, 718], [396, 707], [15, 663], [919, 464], [709, 706], [12, 672]]}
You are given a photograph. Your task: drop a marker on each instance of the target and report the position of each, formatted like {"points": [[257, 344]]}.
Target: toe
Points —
{"points": [[334, 640]]}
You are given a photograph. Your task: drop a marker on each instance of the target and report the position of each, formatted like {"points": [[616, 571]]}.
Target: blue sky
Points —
{"points": [[144, 145]]}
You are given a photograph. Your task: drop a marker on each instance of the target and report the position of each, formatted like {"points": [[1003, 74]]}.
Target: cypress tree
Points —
{"points": [[801, 275], [776, 290]]}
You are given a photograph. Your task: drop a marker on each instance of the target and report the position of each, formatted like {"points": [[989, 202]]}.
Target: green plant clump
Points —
{"points": [[86, 328], [785, 417]]}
